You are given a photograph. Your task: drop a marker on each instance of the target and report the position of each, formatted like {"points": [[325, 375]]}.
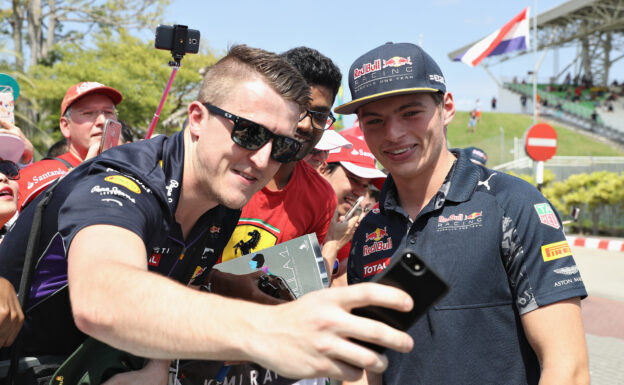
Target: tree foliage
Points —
{"points": [[599, 194], [134, 67], [41, 24]]}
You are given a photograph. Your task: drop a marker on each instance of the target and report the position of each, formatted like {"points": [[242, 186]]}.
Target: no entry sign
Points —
{"points": [[541, 142]]}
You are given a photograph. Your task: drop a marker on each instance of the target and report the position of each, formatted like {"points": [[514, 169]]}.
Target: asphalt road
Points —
{"points": [[603, 312]]}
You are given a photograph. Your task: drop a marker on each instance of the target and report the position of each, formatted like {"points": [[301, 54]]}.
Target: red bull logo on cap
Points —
{"points": [[367, 68], [397, 61]]}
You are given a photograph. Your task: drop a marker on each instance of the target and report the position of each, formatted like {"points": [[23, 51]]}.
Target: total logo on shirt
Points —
{"points": [[376, 267]]}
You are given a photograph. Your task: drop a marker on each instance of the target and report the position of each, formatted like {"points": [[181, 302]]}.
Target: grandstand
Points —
{"points": [[584, 99]]}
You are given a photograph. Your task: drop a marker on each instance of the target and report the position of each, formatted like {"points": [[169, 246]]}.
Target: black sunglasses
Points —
{"points": [[9, 169], [252, 136], [320, 120]]}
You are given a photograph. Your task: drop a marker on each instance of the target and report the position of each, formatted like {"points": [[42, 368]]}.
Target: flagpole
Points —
{"points": [[535, 106]]}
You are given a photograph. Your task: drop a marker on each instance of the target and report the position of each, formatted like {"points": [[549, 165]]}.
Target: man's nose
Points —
{"points": [[262, 156]]}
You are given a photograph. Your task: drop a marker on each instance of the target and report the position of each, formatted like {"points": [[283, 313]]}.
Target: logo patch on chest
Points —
{"points": [[376, 267]]}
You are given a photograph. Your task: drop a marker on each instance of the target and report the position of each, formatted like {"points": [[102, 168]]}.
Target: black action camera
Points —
{"points": [[178, 39]]}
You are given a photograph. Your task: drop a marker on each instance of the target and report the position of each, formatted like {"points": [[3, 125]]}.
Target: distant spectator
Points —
{"points": [[84, 110], [127, 135], [493, 103], [523, 102], [478, 109], [567, 79], [329, 141], [57, 149], [472, 122]]}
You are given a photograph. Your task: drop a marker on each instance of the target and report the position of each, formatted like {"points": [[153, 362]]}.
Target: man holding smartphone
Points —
{"points": [[512, 314], [128, 236], [84, 111]]}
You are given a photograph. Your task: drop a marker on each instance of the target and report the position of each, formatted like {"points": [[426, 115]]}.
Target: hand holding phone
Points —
{"points": [[110, 135], [409, 273], [356, 206]]}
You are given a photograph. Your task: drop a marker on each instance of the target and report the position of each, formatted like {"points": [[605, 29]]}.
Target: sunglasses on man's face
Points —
{"points": [[252, 136], [9, 169]]}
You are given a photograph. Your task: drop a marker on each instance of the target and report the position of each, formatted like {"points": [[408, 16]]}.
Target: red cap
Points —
{"points": [[82, 89], [358, 160]]}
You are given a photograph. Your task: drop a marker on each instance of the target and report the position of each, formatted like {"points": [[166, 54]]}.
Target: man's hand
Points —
{"points": [[11, 316], [313, 335], [9, 128], [156, 372], [246, 286]]}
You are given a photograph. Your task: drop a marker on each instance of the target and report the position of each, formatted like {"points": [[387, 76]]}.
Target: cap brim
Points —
{"points": [[331, 140], [363, 172], [11, 147], [352, 106]]}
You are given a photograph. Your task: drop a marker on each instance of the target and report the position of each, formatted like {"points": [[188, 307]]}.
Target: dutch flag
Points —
{"points": [[513, 36]]}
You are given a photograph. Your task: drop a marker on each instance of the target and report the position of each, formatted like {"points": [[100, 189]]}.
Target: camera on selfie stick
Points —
{"points": [[180, 40]]}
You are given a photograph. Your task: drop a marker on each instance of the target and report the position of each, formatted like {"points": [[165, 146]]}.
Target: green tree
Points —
{"points": [[128, 64], [43, 23]]}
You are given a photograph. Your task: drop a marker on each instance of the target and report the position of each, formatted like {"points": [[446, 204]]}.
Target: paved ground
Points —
{"points": [[603, 312]]}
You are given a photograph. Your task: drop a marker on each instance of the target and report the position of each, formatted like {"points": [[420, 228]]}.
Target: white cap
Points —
{"points": [[11, 147], [331, 140]]}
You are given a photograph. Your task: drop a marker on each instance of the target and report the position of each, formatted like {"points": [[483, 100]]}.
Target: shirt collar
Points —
{"points": [[459, 185]]}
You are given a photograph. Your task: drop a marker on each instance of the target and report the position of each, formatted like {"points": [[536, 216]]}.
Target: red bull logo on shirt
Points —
{"points": [[376, 235], [460, 221], [376, 267], [397, 61]]}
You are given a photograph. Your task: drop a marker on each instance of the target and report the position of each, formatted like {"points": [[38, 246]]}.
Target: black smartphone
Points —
{"points": [[177, 38], [409, 273]]}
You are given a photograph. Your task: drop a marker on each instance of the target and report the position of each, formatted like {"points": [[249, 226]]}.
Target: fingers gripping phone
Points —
{"points": [[409, 273], [356, 208], [110, 134]]}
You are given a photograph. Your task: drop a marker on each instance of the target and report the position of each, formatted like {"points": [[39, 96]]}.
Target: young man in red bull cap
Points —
{"points": [[512, 314], [84, 110]]}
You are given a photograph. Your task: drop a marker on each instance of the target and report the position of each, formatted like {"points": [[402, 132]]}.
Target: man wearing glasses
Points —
{"points": [[84, 110], [297, 201], [126, 234]]}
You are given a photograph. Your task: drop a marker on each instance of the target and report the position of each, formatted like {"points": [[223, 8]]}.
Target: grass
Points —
{"points": [[488, 137]]}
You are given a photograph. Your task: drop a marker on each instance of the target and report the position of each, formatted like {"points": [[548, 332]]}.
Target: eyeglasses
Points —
{"points": [[320, 120], [92, 115], [9, 169], [252, 136]]}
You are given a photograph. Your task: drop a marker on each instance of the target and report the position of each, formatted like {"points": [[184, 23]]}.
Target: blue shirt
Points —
{"points": [[136, 187], [500, 246]]}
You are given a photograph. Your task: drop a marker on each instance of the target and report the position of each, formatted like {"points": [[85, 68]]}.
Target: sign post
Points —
{"points": [[541, 145]]}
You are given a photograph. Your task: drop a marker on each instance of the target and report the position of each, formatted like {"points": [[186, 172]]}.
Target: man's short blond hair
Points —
{"points": [[245, 63]]}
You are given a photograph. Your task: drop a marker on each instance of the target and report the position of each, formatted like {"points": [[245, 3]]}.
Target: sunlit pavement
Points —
{"points": [[603, 312]]}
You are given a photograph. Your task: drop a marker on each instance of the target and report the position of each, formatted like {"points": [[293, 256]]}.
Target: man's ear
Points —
{"points": [[64, 125], [197, 113], [448, 108]]}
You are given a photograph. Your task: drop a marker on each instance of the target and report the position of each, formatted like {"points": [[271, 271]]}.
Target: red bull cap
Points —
{"points": [[381, 73]]}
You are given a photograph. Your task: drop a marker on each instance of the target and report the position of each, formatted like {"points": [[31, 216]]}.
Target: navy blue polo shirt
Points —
{"points": [[136, 187], [500, 246]]}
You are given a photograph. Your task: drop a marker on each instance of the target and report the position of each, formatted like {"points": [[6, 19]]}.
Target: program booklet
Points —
{"points": [[298, 261]]}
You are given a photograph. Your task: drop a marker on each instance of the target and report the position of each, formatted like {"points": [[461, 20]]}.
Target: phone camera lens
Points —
{"points": [[417, 267]]}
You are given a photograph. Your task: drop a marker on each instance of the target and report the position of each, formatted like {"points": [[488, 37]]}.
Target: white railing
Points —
{"points": [[581, 161]]}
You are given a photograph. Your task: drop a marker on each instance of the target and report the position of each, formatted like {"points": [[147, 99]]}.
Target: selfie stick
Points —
{"points": [[176, 67]]}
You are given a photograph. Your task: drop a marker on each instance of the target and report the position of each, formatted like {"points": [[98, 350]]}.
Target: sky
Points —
{"points": [[343, 30]]}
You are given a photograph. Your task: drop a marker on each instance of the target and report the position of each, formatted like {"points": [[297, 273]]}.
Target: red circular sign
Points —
{"points": [[541, 142]]}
